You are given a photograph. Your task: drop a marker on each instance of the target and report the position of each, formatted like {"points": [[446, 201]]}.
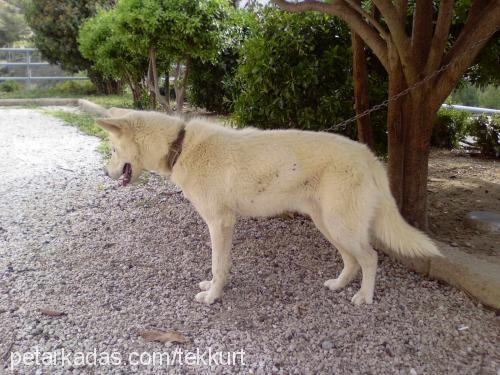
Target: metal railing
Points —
{"points": [[478, 110], [29, 64]]}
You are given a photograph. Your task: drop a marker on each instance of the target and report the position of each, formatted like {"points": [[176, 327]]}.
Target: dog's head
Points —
{"points": [[125, 153]]}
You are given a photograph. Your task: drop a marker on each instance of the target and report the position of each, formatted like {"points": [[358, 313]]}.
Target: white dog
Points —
{"points": [[224, 173]]}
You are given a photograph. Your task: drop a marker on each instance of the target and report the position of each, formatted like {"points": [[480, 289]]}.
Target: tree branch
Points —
{"points": [[473, 37], [402, 42], [421, 36], [369, 18], [153, 76], [304, 6], [341, 9], [441, 34]]}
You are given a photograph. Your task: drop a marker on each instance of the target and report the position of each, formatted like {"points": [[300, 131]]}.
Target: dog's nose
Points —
{"points": [[105, 171]]}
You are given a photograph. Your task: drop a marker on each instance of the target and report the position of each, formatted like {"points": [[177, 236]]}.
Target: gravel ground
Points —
{"points": [[118, 261]]}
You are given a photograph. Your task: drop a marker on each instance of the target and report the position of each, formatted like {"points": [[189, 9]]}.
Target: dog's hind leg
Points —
{"points": [[351, 266], [221, 234], [357, 246]]}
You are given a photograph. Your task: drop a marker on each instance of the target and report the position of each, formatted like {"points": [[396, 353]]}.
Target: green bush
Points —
{"points": [[9, 86], [296, 72], [211, 84], [486, 130], [78, 88], [449, 128]]}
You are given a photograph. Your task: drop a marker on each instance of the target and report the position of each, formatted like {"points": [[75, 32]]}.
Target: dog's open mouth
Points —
{"points": [[127, 174]]}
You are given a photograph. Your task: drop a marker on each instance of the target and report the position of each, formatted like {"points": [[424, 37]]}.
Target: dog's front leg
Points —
{"points": [[221, 234]]}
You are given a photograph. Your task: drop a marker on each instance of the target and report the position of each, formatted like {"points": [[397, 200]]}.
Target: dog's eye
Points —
{"points": [[113, 150]]}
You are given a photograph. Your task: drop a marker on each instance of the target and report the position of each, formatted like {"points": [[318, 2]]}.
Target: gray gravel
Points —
{"points": [[118, 261]]}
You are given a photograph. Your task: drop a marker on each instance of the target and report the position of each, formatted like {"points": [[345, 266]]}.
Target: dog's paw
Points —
{"points": [[205, 285], [360, 298], [333, 284], [206, 297]]}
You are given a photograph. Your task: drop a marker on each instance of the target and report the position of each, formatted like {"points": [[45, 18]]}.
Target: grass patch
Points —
{"points": [[86, 124], [124, 100]]}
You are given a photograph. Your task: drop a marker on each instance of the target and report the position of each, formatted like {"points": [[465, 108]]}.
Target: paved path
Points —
{"points": [[118, 261]]}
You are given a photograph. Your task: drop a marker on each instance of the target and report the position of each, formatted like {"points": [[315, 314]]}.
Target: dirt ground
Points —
{"points": [[460, 183]]}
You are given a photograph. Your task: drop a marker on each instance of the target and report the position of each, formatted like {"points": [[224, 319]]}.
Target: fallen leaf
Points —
{"points": [[160, 336], [51, 312]]}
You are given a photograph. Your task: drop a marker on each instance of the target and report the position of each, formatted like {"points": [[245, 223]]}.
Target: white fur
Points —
{"points": [[227, 173]]}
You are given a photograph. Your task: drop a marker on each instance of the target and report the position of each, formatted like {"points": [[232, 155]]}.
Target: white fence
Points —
{"points": [[29, 78]]}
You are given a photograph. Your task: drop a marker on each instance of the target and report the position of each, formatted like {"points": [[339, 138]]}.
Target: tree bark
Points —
{"points": [[153, 82], [410, 122], [360, 79], [418, 128], [180, 85], [104, 85]]}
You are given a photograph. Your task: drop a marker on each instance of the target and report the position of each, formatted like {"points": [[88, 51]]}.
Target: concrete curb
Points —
{"points": [[477, 277], [85, 105], [38, 102]]}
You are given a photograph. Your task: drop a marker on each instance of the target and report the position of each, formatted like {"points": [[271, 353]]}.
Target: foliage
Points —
{"points": [[484, 71], [119, 41], [55, 25], [212, 84], [12, 24], [486, 130], [180, 29], [486, 97], [449, 128], [110, 48], [295, 72], [69, 88], [9, 86]]}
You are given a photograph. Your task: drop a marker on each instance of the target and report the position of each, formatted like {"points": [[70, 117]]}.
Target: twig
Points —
{"points": [[65, 169]]}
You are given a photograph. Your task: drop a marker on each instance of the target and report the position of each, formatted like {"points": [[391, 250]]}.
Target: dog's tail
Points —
{"points": [[390, 227]]}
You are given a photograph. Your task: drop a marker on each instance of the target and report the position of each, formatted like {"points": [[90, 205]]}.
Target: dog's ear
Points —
{"points": [[112, 125]]}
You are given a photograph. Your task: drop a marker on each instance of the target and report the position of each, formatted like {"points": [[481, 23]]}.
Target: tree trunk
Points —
{"points": [[137, 95], [409, 140], [154, 83], [360, 79], [104, 85], [181, 88], [395, 129]]}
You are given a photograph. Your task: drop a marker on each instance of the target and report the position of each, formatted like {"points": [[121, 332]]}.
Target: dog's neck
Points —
{"points": [[175, 149]]}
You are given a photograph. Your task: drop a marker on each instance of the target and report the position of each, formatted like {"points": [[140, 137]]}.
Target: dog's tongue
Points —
{"points": [[127, 174]]}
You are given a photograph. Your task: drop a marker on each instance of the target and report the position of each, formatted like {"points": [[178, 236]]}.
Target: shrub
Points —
{"points": [[113, 52], [449, 128], [211, 84], [486, 130], [9, 86], [78, 88], [55, 26], [296, 72]]}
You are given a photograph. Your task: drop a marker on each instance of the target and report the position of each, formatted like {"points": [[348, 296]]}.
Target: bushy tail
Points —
{"points": [[390, 227]]}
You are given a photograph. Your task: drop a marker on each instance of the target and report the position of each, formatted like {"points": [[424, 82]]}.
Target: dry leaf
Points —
{"points": [[52, 313], [164, 336]]}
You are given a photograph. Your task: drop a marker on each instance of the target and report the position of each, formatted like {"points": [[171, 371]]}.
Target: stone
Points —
{"points": [[327, 345], [484, 220]]}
